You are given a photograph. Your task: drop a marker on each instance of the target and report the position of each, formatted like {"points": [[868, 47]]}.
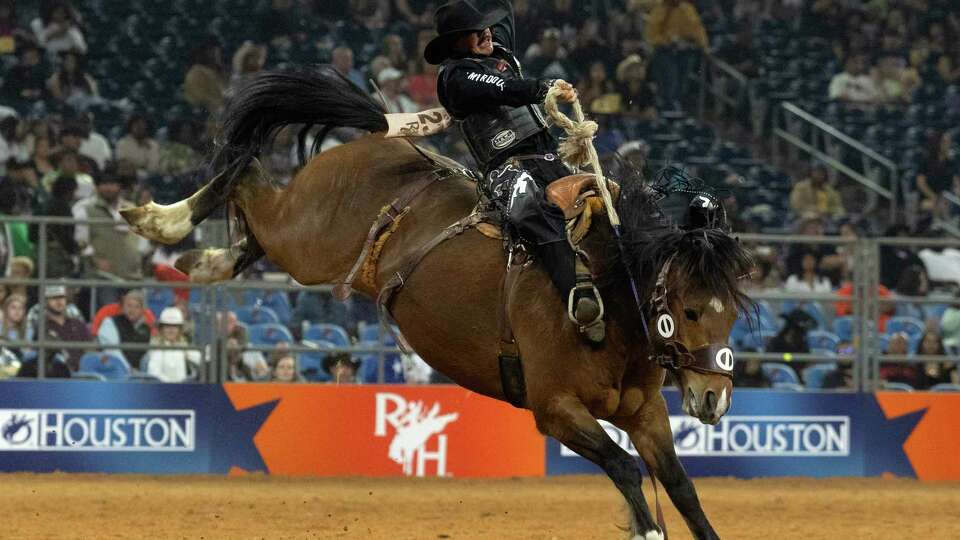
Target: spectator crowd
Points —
{"points": [[104, 107]]}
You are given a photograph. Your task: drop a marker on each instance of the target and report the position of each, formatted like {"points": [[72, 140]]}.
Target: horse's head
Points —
{"points": [[687, 270]]}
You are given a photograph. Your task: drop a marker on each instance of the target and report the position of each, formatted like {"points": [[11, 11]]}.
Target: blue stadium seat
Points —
{"points": [[327, 332], [814, 309], [945, 387], [821, 339], [814, 375], [370, 367], [779, 372], [270, 334], [845, 327], [793, 387], [912, 326], [371, 333], [897, 387], [278, 301], [110, 366], [87, 376], [157, 299], [144, 377], [256, 315], [310, 364]]}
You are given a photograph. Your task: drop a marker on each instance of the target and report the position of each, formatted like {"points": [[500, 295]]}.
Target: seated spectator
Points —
{"points": [[72, 137], [793, 337], [853, 85], [12, 143], [280, 26], [27, 80], [396, 51], [392, 82], [547, 58], [677, 36], [41, 161], [913, 282], [129, 326], [900, 372], [20, 268], [15, 321], [423, 76], [206, 81], [94, 145], [597, 85], [342, 368], [245, 365], [285, 369], [635, 89], [750, 374], [8, 26], [108, 250], [60, 326], [171, 365], [887, 310], [342, 61], [839, 378], [112, 310], [809, 279], [950, 325], [63, 252], [814, 196], [57, 29], [889, 79], [321, 307], [416, 13], [247, 61], [936, 372], [742, 53], [71, 84], [939, 173], [139, 147], [178, 154], [894, 259]]}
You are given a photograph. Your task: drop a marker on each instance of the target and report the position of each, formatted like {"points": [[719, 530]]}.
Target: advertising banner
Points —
{"points": [[802, 434], [447, 431], [280, 429]]}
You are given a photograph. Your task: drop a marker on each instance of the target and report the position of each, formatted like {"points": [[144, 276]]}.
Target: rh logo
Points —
{"points": [[414, 427]]}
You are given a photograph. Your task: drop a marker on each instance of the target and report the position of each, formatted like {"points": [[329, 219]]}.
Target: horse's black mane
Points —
{"points": [[705, 257]]}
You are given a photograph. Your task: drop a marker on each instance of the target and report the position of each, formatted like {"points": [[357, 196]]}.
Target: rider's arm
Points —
{"points": [[469, 89]]}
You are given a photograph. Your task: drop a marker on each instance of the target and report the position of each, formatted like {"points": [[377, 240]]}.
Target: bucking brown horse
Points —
{"points": [[448, 300]]}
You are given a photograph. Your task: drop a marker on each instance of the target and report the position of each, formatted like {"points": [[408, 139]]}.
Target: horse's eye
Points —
{"points": [[691, 314]]}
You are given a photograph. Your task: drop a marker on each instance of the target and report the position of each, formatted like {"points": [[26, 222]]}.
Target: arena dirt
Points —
{"points": [[581, 508]]}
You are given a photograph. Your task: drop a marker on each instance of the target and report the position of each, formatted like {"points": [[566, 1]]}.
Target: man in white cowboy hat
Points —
{"points": [[481, 84]]}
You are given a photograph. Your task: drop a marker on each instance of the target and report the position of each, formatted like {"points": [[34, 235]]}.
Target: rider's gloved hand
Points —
{"points": [[568, 94]]}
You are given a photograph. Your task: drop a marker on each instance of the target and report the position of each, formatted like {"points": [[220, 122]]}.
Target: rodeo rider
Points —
{"points": [[482, 85]]}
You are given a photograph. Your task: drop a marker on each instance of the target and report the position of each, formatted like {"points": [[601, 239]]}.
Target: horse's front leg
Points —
{"points": [[567, 420], [649, 430]]}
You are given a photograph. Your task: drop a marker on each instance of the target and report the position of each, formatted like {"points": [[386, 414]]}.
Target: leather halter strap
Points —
{"points": [[387, 216], [669, 352]]}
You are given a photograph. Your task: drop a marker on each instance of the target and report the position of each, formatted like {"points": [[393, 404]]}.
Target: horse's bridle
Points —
{"points": [[669, 353]]}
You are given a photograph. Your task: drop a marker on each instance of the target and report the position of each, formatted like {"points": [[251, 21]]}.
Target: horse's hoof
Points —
{"points": [[207, 265], [167, 224]]}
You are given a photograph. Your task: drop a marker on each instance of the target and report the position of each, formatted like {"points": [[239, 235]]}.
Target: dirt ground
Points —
{"points": [[580, 507]]}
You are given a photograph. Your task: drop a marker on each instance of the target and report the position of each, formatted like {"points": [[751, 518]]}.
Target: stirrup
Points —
{"points": [[593, 329]]}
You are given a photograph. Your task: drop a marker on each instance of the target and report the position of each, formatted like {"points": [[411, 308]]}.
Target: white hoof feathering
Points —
{"points": [[167, 224], [214, 265], [649, 535]]}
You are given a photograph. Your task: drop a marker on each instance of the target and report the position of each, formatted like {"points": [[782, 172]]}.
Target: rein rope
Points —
{"points": [[577, 150]]}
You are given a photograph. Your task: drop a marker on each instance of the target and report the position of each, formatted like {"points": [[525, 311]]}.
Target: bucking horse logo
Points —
{"points": [[17, 430], [687, 435]]}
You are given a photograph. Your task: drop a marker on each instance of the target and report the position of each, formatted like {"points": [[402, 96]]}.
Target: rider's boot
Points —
{"points": [[584, 306]]}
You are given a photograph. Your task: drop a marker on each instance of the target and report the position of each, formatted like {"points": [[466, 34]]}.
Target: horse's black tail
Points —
{"points": [[272, 100]]}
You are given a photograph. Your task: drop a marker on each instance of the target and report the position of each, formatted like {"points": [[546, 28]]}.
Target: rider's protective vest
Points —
{"points": [[493, 133]]}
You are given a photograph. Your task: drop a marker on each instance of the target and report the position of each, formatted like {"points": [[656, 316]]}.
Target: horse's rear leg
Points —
{"points": [[568, 421], [649, 430], [217, 264]]}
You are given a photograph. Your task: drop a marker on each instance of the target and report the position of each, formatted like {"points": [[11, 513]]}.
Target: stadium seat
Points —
{"points": [[157, 299], [945, 387], [331, 333], [813, 376], [371, 333], [310, 364], [780, 372], [821, 339], [912, 326], [270, 334], [257, 315], [278, 301], [845, 327], [897, 387], [793, 387], [144, 377], [87, 376], [370, 367], [110, 366]]}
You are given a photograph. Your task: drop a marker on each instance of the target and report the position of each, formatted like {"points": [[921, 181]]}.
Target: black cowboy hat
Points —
{"points": [[454, 19], [333, 359]]}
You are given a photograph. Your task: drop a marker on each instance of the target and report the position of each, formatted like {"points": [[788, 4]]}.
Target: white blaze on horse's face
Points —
{"points": [[716, 304]]}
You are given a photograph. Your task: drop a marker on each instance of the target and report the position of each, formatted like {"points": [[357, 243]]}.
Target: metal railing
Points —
{"points": [[213, 305], [805, 132], [721, 87]]}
